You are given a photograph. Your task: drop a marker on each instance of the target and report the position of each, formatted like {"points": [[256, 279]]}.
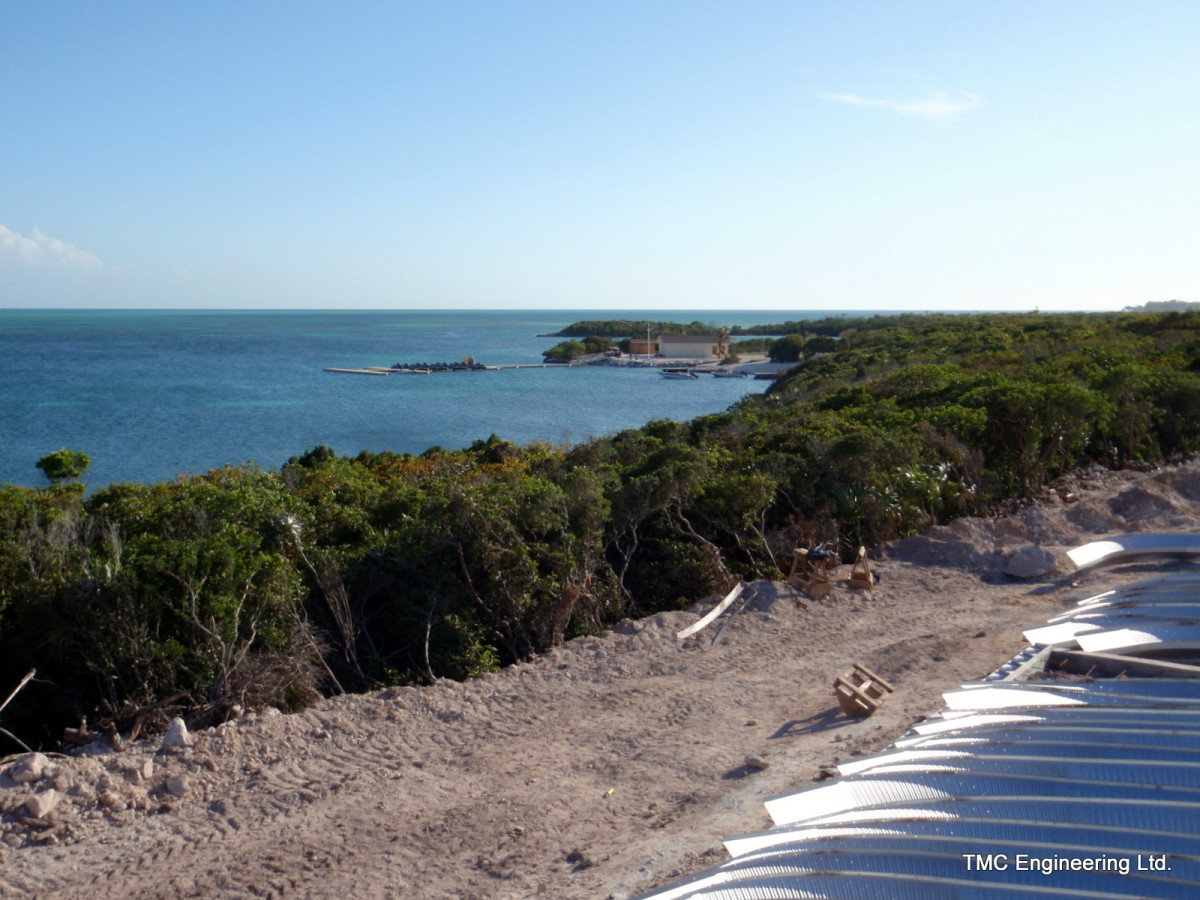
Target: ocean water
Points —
{"points": [[153, 394]]}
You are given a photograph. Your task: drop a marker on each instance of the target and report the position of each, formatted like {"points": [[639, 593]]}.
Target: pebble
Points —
{"points": [[29, 767], [178, 784], [756, 762], [40, 805]]}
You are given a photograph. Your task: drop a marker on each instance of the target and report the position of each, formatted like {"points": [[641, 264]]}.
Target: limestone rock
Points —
{"points": [[177, 736], [756, 762], [111, 799], [1030, 562], [29, 767], [178, 784], [40, 805]]}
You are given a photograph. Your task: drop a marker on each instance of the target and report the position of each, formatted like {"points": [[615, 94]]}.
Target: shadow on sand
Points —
{"points": [[821, 721]]}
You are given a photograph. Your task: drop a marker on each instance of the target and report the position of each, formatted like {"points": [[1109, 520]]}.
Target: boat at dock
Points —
{"points": [[677, 373]]}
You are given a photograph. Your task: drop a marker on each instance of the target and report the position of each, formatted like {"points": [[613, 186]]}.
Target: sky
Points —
{"points": [[592, 154]]}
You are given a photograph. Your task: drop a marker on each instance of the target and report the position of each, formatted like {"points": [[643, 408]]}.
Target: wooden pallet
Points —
{"points": [[860, 691]]}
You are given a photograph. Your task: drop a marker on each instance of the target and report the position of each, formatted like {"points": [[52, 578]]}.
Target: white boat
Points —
{"points": [[678, 373]]}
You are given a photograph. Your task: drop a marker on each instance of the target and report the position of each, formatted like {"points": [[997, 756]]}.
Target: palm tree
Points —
{"points": [[723, 334]]}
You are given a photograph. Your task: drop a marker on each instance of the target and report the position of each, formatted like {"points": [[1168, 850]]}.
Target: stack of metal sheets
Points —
{"points": [[1073, 772]]}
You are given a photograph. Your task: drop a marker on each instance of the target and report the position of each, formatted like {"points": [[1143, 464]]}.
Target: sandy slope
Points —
{"points": [[606, 768]]}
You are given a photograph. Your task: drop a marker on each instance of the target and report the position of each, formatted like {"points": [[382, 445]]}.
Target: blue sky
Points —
{"points": [[442, 154]]}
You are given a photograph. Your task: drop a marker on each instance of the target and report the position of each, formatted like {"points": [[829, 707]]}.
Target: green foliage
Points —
{"points": [[572, 349], [789, 348], [564, 352], [612, 328], [344, 572], [63, 464]]}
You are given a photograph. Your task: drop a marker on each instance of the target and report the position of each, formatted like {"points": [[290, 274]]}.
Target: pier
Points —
{"points": [[437, 370]]}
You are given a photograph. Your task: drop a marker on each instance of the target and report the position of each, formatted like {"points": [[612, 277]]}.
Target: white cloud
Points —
{"points": [[938, 105], [41, 250]]}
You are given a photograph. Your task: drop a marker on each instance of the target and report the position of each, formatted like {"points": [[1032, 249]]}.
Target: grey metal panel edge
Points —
{"points": [[868, 790], [1165, 738], [1175, 816], [1053, 742], [1151, 688], [1124, 548], [1061, 750], [1146, 636], [1010, 697], [1109, 772], [1001, 833]]}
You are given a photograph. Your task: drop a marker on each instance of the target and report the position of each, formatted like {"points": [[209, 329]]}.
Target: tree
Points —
{"points": [[64, 464], [789, 348], [723, 334]]}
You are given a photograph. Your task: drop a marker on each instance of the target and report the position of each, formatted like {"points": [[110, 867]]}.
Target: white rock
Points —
{"points": [[29, 767], [40, 805], [756, 762], [1030, 562], [177, 735], [178, 784]]}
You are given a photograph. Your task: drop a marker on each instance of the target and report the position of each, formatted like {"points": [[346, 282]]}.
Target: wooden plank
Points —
{"points": [[716, 611], [729, 618], [867, 673]]}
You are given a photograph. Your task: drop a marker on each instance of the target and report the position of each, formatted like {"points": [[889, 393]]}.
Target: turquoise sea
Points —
{"points": [[153, 394]]}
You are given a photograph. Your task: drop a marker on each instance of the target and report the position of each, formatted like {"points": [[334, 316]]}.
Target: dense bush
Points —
{"points": [[252, 587], [572, 349]]}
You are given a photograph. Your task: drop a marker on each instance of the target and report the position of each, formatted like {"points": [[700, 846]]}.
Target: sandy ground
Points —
{"points": [[604, 769]]}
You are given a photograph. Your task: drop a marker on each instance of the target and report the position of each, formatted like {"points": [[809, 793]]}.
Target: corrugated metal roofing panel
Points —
{"points": [[849, 886], [999, 832], [1062, 633], [869, 790], [1145, 637], [1059, 769], [1074, 751], [1176, 581], [1018, 695], [1134, 739], [1182, 719], [1175, 612], [1174, 816], [1123, 548], [1135, 687], [1110, 772], [1050, 742], [923, 877], [1153, 605]]}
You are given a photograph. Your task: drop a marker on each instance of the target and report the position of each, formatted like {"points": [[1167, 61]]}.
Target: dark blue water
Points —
{"points": [[150, 395]]}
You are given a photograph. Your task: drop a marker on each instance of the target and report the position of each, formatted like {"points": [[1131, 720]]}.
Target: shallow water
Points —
{"points": [[152, 394]]}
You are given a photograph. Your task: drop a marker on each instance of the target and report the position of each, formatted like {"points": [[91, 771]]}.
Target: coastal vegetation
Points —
{"points": [[245, 586], [615, 328], [573, 349]]}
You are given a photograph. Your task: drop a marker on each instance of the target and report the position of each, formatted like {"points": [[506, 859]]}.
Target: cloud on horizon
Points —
{"points": [[938, 105], [40, 250]]}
